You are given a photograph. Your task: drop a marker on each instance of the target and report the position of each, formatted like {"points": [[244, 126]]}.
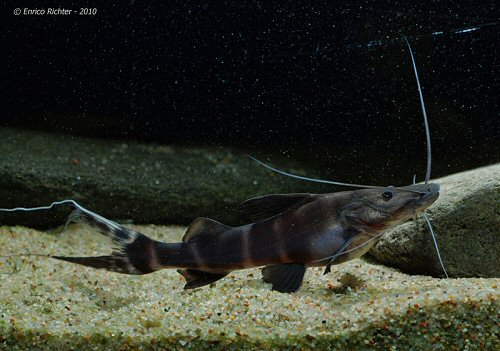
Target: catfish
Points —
{"points": [[287, 233]]}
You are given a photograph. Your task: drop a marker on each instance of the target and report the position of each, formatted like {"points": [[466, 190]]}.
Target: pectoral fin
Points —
{"points": [[195, 278], [351, 235], [286, 277]]}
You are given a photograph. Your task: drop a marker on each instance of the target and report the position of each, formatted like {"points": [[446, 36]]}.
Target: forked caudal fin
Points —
{"points": [[134, 252]]}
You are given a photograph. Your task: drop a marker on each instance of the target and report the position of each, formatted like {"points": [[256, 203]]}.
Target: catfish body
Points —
{"points": [[301, 234], [288, 233]]}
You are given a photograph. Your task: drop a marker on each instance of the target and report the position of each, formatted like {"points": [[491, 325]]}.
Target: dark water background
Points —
{"points": [[318, 83]]}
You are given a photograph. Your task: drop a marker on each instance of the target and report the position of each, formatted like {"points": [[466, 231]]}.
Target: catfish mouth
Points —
{"points": [[429, 193]]}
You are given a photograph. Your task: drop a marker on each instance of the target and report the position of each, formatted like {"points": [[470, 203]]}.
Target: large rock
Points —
{"points": [[466, 220], [139, 182]]}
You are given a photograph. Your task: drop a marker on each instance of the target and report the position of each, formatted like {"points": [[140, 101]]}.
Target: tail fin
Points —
{"points": [[135, 253]]}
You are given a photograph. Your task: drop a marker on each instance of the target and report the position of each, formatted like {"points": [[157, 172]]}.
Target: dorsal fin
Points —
{"points": [[204, 227], [262, 207]]}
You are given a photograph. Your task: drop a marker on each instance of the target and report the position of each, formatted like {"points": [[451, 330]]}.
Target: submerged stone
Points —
{"points": [[466, 221], [142, 183]]}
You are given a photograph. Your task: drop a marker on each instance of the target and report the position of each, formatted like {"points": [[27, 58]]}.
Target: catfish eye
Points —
{"points": [[387, 194]]}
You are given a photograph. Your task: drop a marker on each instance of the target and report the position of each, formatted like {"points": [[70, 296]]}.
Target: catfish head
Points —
{"points": [[377, 209]]}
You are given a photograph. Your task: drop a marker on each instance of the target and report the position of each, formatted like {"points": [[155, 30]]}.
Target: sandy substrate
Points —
{"points": [[47, 304]]}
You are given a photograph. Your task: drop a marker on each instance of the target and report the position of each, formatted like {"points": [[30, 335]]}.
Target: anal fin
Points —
{"points": [[195, 278], [285, 277]]}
